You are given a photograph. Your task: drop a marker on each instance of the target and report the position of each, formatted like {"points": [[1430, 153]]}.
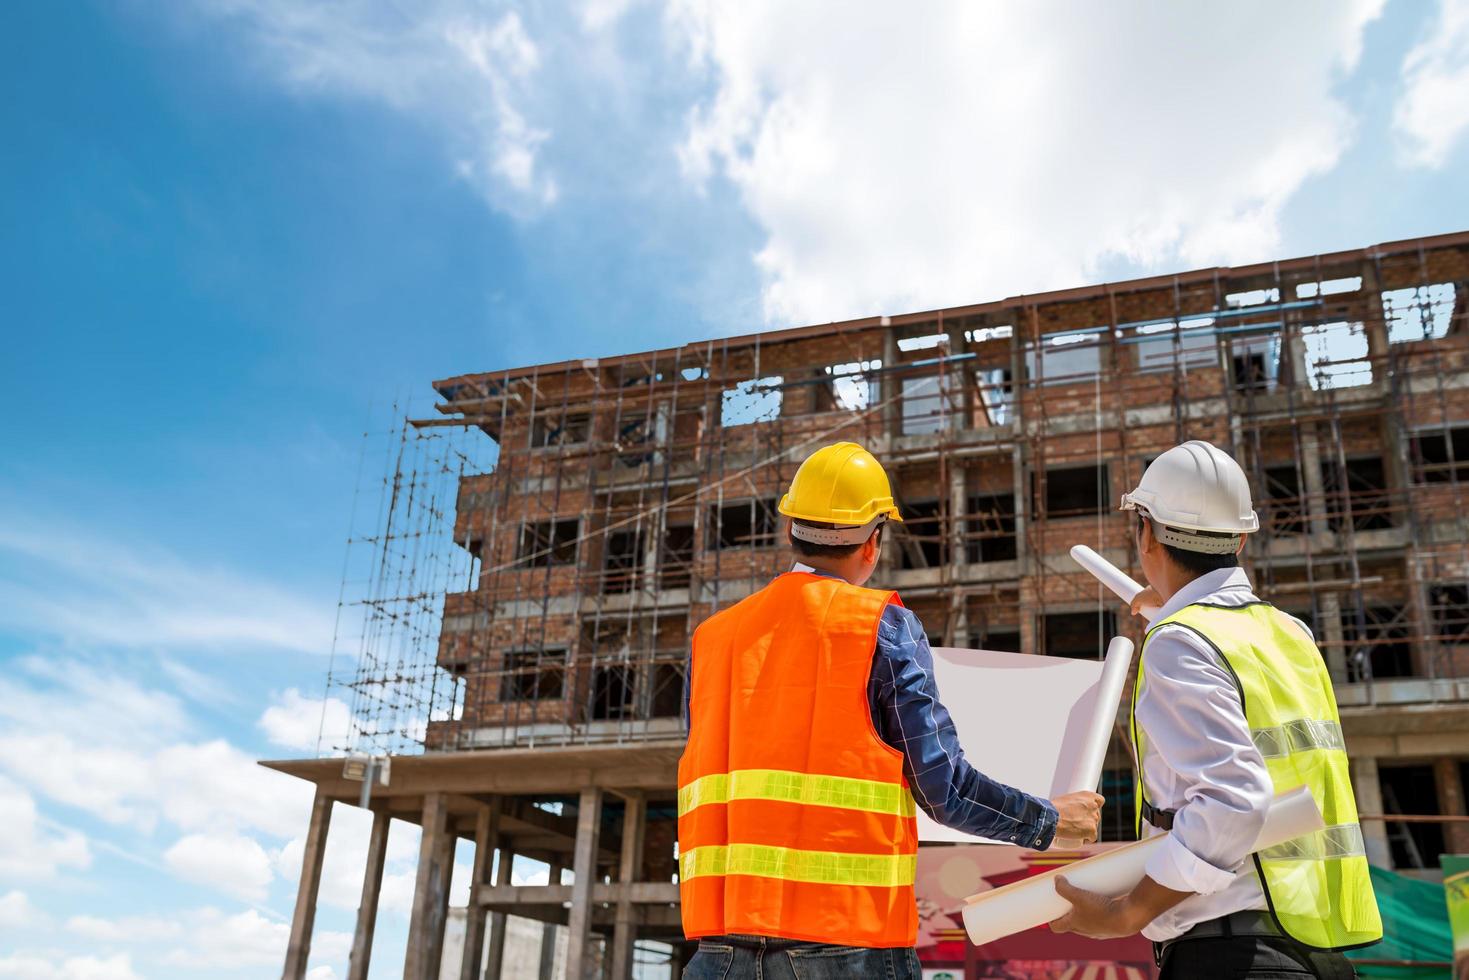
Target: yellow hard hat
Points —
{"points": [[840, 484]]}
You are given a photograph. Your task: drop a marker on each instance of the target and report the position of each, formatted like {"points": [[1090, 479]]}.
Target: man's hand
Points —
{"points": [[1100, 917], [1078, 815], [1147, 597], [1094, 916]]}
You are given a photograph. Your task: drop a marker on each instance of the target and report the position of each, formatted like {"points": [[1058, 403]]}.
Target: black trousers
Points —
{"points": [[1231, 957]]}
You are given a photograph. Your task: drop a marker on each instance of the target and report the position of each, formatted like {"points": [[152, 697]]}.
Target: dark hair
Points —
{"points": [[1196, 562], [809, 549]]}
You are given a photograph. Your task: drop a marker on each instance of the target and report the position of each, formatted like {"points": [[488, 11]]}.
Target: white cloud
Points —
{"points": [[294, 722], [453, 64], [231, 863], [83, 585], [118, 967], [346, 853], [218, 942], [128, 929], [31, 847], [1432, 112], [16, 911], [901, 162]]}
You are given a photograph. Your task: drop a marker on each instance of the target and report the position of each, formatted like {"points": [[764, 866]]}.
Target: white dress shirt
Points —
{"points": [[1201, 762]]}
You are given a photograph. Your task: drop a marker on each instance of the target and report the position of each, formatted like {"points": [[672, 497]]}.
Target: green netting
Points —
{"points": [[1415, 923]]}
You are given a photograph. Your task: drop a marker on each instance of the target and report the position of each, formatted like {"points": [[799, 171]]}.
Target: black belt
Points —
{"points": [[1252, 923], [1162, 819]]}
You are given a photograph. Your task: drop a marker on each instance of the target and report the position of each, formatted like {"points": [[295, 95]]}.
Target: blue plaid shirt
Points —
{"points": [[908, 715]]}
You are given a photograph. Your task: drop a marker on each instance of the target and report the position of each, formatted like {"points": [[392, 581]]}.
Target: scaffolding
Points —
{"points": [[547, 542]]}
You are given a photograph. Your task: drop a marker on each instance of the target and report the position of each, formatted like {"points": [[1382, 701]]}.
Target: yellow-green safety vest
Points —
{"points": [[1318, 887]]}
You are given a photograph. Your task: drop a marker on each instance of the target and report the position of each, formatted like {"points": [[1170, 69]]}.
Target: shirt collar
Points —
{"points": [[1202, 587], [801, 566]]}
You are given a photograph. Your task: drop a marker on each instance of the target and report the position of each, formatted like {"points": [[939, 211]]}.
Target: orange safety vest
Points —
{"points": [[794, 818]]}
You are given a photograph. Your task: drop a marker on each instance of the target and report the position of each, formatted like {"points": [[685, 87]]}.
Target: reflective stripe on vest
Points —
{"points": [[1318, 887], [796, 787], [821, 867], [794, 817]]}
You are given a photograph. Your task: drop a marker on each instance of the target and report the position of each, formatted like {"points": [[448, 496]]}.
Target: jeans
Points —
{"points": [[1251, 957], [760, 958]]}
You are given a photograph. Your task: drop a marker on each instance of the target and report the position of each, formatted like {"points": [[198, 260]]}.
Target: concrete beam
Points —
{"points": [[298, 947], [372, 885]]}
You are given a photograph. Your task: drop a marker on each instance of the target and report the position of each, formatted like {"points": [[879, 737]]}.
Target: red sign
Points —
{"points": [[947, 875]]}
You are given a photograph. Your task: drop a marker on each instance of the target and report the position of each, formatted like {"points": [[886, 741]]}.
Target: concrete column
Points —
{"points": [[548, 934], [1374, 323], [959, 394], [486, 836], [372, 884], [1368, 787], [298, 949], [629, 870], [495, 956], [891, 386], [1313, 487], [431, 884], [581, 959], [447, 845], [1332, 637], [1451, 803], [956, 624]]}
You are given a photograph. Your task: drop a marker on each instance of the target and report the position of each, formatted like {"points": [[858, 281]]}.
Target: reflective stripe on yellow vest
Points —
{"points": [[1318, 887]]}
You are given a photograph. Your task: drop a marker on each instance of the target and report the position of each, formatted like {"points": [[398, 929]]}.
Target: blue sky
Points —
{"points": [[236, 231]]}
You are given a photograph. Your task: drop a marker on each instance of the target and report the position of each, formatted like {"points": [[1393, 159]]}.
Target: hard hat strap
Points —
{"points": [[836, 535], [1204, 544]]}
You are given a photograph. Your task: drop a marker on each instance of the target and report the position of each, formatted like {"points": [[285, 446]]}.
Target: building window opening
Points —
{"points": [[545, 543], [1449, 604], [1418, 312], [1380, 647], [1441, 456], [1284, 511], [991, 528], [1363, 488], [675, 556], [921, 538], [1076, 491], [1079, 636], [1412, 791], [746, 524], [613, 692], [533, 675], [753, 401], [560, 430], [623, 561]]}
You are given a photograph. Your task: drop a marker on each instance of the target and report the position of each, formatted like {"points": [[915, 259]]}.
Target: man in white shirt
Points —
{"points": [[1203, 775]]}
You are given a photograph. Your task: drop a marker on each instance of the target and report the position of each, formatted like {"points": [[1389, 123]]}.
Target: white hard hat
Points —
{"points": [[1196, 487]]}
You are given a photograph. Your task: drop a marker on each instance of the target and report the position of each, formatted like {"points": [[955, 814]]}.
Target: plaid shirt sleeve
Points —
{"points": [[909, 716]]}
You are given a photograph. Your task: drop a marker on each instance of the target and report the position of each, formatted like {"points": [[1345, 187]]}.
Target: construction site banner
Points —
{"points": [[947, 875]]}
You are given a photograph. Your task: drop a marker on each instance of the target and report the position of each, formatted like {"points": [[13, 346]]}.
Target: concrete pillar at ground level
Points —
{"points": [[486, 834], [372, 884], [298, 947], [582, 961], [495, 955], [548, 934], [431, 883], [1368, 787], [1451, 803], [629, 870]]}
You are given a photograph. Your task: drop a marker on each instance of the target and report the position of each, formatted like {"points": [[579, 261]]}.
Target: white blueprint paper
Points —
{"points": [[1037, 723]]}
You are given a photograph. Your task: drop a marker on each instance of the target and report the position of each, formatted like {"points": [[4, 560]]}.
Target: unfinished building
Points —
{"points": [[527, 623]]}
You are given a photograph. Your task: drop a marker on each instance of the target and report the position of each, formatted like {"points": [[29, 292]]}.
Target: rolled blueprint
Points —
{"points": [[1111, 576], [1031, 902], [1088, 771]]}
